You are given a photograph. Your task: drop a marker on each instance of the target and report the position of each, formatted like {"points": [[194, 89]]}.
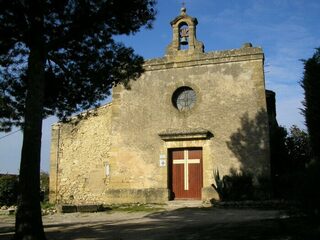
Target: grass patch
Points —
{"points": [[47, 205]]}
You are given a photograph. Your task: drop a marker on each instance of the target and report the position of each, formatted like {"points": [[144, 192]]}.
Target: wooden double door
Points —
{"points": [[185, 173]]}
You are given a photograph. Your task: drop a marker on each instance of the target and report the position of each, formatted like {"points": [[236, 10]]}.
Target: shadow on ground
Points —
{"points": [[185, 224]]}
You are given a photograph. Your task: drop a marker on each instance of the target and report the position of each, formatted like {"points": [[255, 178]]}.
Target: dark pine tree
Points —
{"points": [[58, 57], [311, 86]]}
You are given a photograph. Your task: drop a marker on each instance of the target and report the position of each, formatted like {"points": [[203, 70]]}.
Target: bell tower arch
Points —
{"points": [[184, 38]]}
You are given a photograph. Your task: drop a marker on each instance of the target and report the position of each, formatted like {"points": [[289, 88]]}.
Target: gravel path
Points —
{"points": [[174, 224]]}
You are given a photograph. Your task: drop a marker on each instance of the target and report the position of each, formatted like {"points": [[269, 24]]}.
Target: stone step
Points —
{"points": [[186, 204]]}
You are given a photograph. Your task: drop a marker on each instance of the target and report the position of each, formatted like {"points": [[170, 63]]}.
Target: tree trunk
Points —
{"points": [[28, 218]]}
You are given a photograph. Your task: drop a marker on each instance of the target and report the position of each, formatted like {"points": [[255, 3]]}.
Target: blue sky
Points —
{"points": [[287, 30]]}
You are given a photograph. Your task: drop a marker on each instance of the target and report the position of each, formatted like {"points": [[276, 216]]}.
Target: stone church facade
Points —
{"points": [[189, 114]]}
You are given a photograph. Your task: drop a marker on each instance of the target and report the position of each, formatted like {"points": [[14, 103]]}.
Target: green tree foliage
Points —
{"points": [[44, 186], [79, 57], [241, 185], [298, 149], [59, 57], [291, 161], [278, 156], [8, 189], [311, 86], [290, 156], [235, 186]]}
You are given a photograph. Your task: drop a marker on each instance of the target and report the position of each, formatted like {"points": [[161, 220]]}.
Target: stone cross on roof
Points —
{"points": [[183, 9]]}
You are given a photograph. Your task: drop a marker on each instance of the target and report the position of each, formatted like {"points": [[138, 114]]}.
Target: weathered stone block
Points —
{"points": [[89, 208], [150, 195], [67, 208]]}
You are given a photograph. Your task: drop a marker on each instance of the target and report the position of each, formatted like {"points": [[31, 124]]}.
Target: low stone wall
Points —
{"points": [[7, 210], [149, 195], [79, 208]]}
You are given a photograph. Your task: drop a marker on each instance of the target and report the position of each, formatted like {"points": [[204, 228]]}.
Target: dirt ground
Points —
{"points": [[173, 224]]}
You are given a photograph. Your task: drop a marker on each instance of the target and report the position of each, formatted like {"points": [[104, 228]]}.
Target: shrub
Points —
{"points": [[219, 186], [236, 186], [239, 186], [263, 190], [8, 189], [309, 195], [44, 187]]}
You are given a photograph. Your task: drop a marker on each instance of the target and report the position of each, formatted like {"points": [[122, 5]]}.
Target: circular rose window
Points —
{"points": [[184, 98]]}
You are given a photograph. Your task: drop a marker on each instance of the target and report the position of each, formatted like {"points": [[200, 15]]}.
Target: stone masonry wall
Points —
{"points": [[79, 153]]}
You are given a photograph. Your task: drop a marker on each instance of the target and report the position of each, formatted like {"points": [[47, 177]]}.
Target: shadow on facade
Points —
{"points": [[250, 144]]}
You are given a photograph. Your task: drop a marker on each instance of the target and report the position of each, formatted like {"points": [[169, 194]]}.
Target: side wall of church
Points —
{"points": [[79, 154]]}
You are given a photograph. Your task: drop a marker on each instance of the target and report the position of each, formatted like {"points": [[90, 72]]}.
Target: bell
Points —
{"points": [[184, 41]]}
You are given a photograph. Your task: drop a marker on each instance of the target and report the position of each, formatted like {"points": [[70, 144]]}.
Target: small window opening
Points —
{"points": [[184, 36]]}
